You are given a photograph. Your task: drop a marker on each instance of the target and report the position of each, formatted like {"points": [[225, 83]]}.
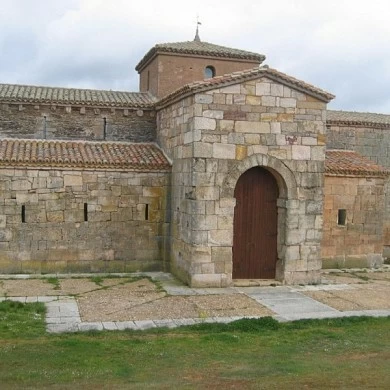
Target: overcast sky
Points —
{"points": [[342, 46]]}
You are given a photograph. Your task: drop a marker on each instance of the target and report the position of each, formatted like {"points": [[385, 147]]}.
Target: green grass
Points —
{"points": [[247, 354], [21, 320]]}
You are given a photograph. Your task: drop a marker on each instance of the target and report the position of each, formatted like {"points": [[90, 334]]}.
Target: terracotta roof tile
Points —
{"points": [[358, 118], [350, 163], [11, 93], [196, 47], [249, 74], [82, 154]]}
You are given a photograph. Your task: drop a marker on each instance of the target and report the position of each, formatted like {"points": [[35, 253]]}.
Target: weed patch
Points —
{"points": [[55, 282]]}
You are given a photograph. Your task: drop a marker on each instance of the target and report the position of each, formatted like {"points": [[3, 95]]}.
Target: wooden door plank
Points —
{"points": [[255, 225]]}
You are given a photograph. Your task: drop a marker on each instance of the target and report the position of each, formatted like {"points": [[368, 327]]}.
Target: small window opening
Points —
{"points": [[104, 127], [146, 212], [148, 81], [86, 212], [44, 127], [209, 72], [342, 217], [23, 214]]}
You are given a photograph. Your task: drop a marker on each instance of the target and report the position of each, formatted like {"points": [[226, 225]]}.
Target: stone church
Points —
{"points": [[219, 169]]}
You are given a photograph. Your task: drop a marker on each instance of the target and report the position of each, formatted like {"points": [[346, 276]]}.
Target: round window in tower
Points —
{"points": [[209, 72]]}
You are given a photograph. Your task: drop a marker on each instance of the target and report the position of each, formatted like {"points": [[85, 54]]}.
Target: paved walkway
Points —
{"points": [[287, 302]]}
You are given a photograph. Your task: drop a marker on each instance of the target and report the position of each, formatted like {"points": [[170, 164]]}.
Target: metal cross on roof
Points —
{"points": [[197, 38]]}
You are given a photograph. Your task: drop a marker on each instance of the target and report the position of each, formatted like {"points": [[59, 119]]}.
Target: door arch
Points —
{"points": [[255, 225]]}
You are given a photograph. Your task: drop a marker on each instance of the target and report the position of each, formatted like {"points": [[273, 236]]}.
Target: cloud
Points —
{"points": [[338, 45]]}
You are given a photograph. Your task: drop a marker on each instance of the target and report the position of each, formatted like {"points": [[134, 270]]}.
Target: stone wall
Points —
{"points": [[81, 123], [216, 136], [93, 221], [358, 242], [173, 123], [373, 143]]}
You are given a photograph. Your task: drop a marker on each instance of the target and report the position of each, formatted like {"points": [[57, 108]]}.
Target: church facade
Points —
{"points": [[218, 169]]}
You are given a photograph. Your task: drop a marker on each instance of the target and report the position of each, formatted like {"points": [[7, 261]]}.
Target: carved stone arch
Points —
{"points": [[288, 191], [283, 175]]}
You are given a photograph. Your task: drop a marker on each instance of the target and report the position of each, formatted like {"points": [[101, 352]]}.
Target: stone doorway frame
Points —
{"points": [[287, 203]]}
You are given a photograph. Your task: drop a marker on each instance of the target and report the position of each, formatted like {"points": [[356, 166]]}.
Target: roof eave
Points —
{"points": [[339, 122], [154, 52], [74, 167], [188, 90], [144, 106], [360, 174]]}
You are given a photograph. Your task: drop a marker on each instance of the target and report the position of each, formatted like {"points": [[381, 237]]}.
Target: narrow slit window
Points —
{"points": [[342, 217], [45, 127], [148, 81], [104, 128], [23, 214], [146, 212], [86, 212]]}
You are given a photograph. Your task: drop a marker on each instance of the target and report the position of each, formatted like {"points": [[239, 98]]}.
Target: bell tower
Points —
{"points": [[168, 66]]}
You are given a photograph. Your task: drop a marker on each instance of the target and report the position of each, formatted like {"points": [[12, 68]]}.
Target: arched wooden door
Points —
{"points": [[255, 225]]}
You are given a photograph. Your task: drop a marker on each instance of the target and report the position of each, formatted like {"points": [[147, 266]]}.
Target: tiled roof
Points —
{"points": [[10, 93], [358, 118], [82, 154], [350, 163], [236, 77], [196, 47]]}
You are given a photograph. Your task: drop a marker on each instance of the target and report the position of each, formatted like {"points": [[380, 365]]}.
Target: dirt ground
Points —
{"points": [[127, 298], [361, 290], [142, 300]]}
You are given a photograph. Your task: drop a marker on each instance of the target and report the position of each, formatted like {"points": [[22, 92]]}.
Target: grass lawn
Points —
{"points": [[350, 353]]}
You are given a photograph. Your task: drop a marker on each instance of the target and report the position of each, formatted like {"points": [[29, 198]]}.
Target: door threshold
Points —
{"points": [[256, 282]]}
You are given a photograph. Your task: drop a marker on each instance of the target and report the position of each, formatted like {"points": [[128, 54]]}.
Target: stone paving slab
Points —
{"points": [[291, 305], [56, 323], [288, 303], [323, 287], [109, 325], [122, 325]]}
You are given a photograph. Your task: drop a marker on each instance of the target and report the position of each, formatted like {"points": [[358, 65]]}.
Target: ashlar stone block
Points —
{"points": [[26, 198], [268, 101], [252, 127], [201, 149], [207, 193], [226, 125], [201, 123], [206, 280], [3, 221], [203, 98], [276, 89], [220, 254], [263, 89], [241, 152], [20, 185], [300, 152], [73, 180], [220, 237], [253, 100], [231, 89], [215, 114], [55, 216], [225, 151], [288, 102]]}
